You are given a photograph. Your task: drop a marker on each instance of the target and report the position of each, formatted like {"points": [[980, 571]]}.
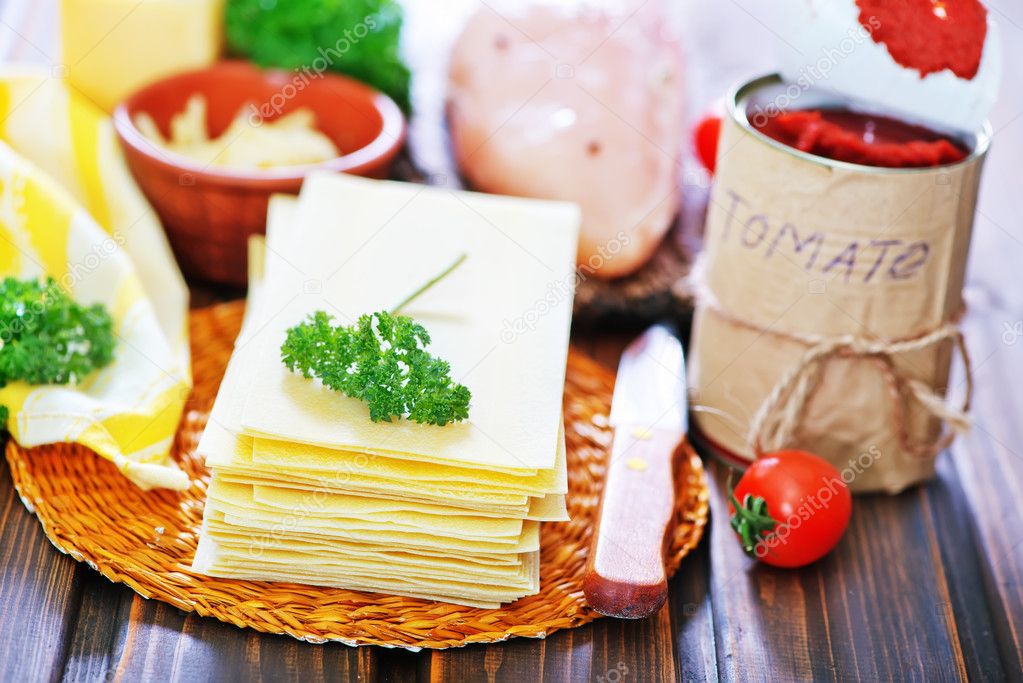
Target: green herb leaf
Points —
{"points": [[381, 360], [355, 37], [48, 338]]}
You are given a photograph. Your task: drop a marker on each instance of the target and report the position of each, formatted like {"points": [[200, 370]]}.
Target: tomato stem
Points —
{"points": [[751, 521]]}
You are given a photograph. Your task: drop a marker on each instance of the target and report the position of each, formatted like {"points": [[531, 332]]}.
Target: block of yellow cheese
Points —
{"points": [[111, 48]]}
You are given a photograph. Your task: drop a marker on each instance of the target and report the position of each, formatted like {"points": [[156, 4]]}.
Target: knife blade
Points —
{"points": [[625, 570]]}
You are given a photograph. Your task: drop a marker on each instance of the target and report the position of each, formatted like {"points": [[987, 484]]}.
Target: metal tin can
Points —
{"points": [[803, 251]]}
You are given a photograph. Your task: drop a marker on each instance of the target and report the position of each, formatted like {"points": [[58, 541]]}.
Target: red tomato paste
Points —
{"points": [[861, 138], [928, 35]]}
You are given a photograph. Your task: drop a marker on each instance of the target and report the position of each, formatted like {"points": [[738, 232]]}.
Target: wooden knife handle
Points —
{"points": [[625, 570]]}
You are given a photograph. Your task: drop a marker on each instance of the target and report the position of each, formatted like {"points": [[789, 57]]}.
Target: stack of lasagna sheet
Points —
{"points": [[306, 488]]}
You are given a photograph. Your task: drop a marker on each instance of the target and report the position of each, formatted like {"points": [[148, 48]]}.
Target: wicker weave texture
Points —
{"points": [[147, 540]]}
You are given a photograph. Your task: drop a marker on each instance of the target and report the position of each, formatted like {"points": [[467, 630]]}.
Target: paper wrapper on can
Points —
{"points": [[802, 247]]}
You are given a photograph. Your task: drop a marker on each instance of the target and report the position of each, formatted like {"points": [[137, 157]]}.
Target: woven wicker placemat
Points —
{"points": [[147, 540]]}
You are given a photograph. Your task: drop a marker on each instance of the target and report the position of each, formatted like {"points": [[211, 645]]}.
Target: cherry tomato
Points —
{"points": [[705, 140], [793, 508]]}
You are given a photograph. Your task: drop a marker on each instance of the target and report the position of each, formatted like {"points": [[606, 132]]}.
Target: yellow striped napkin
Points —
{"points": [[70, 209]]}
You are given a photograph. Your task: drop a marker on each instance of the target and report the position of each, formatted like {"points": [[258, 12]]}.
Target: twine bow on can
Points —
{"points": [[776, 421]]}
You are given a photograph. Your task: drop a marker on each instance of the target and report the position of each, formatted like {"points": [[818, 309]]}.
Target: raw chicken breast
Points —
{"points": [[579, 103]]}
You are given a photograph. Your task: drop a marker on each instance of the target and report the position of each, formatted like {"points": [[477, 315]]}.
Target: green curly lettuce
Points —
{"points": [[359, 38]]}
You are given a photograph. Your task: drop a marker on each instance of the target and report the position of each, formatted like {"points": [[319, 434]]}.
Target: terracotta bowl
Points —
{"points": [[209, 212]]}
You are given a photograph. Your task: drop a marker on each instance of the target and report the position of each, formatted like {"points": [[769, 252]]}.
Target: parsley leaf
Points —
{"points": [[48, 338], [381, 360]]}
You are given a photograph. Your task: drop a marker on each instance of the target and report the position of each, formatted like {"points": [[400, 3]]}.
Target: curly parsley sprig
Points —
{"points": [[48, 338], [382, 360]]}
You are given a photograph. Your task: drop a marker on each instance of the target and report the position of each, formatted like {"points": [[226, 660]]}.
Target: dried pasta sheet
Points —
{"points": [[307, 489], [367, 245]]}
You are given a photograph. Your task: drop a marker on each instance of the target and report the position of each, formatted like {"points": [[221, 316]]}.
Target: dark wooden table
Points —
{"points": [[927, 585]]}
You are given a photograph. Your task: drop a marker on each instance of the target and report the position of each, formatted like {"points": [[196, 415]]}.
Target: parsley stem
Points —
{"points": [[430, 283]]}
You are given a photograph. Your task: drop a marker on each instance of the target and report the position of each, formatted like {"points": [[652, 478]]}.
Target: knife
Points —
{"points": [[625, 570]]}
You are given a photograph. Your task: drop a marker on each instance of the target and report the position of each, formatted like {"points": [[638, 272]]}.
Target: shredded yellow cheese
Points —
{"points": [[290, 140]]}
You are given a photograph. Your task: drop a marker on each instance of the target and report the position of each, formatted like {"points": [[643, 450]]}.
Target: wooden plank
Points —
{"points": [[692, 618], [402, 666], [641, 649], [965, 608], [118, 635], [563, 656], [877, 608], [40, 591], [607, 650], [574, 654], [98, 630], [988, 465]]}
